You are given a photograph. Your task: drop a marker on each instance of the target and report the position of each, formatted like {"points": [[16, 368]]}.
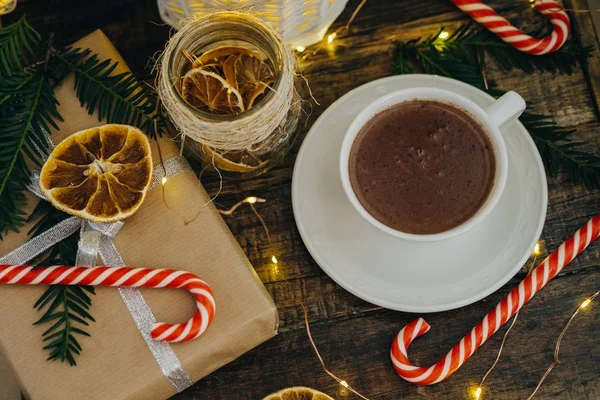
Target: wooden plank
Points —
{"points": [[323, 299], [570, 205], [583, 26], [358, 351]]}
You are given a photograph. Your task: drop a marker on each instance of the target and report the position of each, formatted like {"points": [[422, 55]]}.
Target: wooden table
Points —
{"points": [[354, 336]]}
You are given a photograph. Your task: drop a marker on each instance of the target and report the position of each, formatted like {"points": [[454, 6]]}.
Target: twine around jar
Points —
{"points": [[239, 132]]}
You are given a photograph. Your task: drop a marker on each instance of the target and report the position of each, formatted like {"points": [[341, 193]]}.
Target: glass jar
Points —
{"points": [[224, 30]]}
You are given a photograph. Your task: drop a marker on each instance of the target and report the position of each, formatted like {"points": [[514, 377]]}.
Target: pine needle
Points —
{"points": [[18, 46]]}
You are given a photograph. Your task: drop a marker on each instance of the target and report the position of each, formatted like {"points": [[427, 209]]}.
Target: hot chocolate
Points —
{"points": [[422, 166]]}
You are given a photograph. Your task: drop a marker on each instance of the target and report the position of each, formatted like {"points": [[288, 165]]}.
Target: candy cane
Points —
{"points": [[515, 37], [126, 277], [494, 320]]}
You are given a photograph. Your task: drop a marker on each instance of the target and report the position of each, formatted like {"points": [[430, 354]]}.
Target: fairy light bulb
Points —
{"points": [[300, 49], [585, 303], [274, 259], [444, 35], [251, 199], [164, 180], [344, 384], [331, 37], [536, 249], [477, 393]]}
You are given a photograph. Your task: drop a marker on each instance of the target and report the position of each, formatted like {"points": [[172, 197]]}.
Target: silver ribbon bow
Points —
{"points": [[96, 239]]}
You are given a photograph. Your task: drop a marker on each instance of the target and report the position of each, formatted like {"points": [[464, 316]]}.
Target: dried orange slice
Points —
{"points": [[251, 71], [298, 393], [252, 77], [207, 91], [233, 161], [220, 54], [229, 70], [101, 174]]}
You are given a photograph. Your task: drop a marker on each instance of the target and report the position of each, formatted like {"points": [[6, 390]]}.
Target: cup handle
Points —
{"points": [[506, 109]]}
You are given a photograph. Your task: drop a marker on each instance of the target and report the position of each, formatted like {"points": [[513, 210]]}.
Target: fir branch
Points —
{"points": [[559, 152], [27, 111], [471, 37], [119, 98], [462, 56], [65, 307], [18, 45]]}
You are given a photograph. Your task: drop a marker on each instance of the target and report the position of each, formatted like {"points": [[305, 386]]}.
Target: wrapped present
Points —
{"points": [[116, 362], [9, 390]]}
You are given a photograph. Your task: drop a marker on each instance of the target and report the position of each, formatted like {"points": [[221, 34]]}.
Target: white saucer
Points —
{"points": [[404, 275]]}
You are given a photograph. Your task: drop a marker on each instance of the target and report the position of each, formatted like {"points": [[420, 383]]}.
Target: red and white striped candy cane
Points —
{"points": [[493, 320], [126, 277], [515, 37]]}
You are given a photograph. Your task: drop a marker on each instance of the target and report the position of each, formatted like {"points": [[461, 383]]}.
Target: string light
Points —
{"points": [[536, 249], [440, 42], [344, 384], [164, 180], [478, 393], [585, 303], [248, 200], [331, 37], [274, 259], [556, 361]]}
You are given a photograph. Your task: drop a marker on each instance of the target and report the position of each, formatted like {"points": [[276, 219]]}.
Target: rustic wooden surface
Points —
{"points": [[354, 336]]}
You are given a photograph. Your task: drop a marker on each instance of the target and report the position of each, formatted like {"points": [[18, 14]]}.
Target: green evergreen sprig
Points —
{"points": [[67, 308], [462, 55], [117, 98]]}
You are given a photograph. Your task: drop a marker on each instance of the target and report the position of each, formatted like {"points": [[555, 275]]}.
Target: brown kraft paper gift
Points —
{"points": [[115, 362]]}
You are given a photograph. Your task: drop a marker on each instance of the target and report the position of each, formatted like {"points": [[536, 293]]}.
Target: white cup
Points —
{"points": [[494, 118]]}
